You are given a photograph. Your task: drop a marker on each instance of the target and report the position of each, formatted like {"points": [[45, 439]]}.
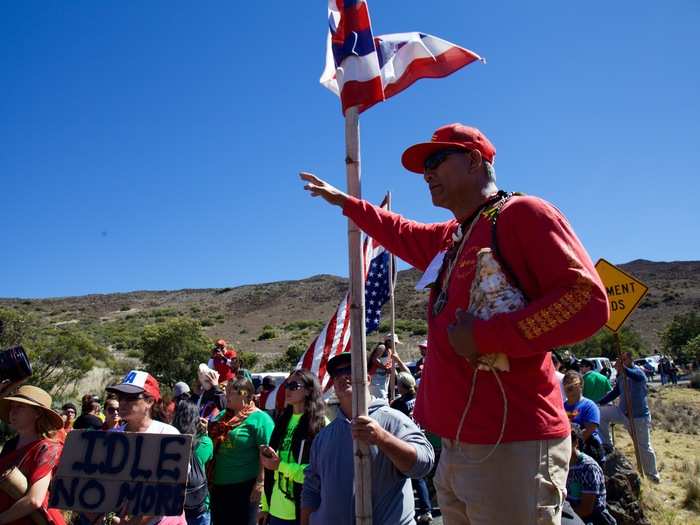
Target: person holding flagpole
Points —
{"points": [[505, 434]]}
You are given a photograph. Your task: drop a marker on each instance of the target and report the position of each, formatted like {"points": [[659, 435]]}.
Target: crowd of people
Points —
{"points": [[266, 470], [588, 402], [251, 465], [286, 465]]}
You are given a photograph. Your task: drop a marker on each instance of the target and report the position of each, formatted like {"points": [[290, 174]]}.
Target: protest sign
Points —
{"points": [[130, 473]]}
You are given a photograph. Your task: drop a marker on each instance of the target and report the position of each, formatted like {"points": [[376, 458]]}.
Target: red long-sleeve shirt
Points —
{"points": [[567, 303]]}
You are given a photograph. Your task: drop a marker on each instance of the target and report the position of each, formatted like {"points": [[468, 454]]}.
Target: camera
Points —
{"points": [[14, 364]]}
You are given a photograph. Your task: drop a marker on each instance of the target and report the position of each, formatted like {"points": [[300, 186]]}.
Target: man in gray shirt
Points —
{"points": [[398, 448]]}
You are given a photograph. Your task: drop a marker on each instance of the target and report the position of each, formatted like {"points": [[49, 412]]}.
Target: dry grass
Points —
{"points": [[674, 415], [676, 500], [692, 485]]}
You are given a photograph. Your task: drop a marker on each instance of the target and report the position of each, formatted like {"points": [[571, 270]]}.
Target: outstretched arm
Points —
{"points": [[414, 242], [320, 188]]}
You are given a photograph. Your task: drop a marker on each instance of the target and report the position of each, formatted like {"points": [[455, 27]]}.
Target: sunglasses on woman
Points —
{"points": [[236, 391], [293, 385]]}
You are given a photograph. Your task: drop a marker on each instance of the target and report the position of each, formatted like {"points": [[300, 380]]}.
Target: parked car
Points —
{"points": [[277, 377], [604, 366], [645, 362], [648, 367]]}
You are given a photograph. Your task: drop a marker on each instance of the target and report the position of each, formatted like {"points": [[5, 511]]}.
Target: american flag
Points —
{"points": [[376, 290], [364, 70], [335, 336]]}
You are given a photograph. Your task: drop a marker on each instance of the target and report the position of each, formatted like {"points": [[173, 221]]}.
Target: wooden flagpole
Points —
{"points": [[360, 395], [392, 376]]}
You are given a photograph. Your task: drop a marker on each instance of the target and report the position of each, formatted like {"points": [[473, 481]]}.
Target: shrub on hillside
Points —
{"points": [[602, 344], [679, 333], [15, 327], [59, 356], [690, 352], [675, 417], [691, 501], [248, 360], [289, 359], [172, 349], [63, 357], [303, 325], [163, 312], [695, 380], [405, 326], [267, 333]]}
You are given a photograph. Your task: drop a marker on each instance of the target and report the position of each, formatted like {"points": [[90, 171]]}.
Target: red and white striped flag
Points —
{"points": [[335, 336], [363, 70]]}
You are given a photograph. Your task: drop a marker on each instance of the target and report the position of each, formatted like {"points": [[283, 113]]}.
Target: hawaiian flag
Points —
{"points": [[407, 57], [364, 70], [352, 65], [335, 336]]}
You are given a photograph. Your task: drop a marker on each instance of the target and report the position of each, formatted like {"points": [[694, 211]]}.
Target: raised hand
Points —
{"points": [[320, 188]]}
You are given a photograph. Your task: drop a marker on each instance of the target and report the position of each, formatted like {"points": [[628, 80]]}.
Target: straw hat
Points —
{"points": [[32, 396]]}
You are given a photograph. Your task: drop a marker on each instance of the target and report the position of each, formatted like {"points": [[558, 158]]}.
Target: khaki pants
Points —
{"points": [[523, 482]]}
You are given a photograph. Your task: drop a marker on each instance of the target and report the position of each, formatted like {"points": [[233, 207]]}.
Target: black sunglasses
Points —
{"points": [[437, 158], [112, 410], [130, 397], [293, 385]]}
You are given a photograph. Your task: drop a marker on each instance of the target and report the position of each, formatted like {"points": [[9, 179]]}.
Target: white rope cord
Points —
{"points": [[469, 404]]}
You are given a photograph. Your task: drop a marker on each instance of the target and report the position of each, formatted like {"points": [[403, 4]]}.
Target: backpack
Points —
{"points": [[196, 490]]}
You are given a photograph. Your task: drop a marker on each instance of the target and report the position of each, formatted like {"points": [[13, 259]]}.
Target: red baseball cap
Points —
{"points": [[457, 136], [137, 382]]}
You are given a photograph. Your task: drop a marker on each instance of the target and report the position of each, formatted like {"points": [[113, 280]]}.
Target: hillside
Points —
{"points": [[243, 313]]}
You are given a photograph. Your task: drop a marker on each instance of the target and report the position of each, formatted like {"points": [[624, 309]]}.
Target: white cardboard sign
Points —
{"points": [[129, 473]]}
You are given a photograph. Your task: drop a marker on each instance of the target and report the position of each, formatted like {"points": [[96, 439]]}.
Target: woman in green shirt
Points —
{"points": [[237, 433], [288, 454]]}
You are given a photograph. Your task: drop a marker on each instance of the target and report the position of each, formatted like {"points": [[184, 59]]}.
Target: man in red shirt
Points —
{"points": [[505, 445], [223, 360]]}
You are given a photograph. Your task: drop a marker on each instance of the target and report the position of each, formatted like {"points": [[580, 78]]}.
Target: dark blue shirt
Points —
{"points": [[637, 381]]}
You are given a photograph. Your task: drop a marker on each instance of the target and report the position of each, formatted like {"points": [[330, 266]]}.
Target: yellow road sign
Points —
{"points": [[624, 292]]}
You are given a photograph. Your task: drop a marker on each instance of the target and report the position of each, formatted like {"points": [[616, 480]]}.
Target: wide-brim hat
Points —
{"points": [[452, 136], [32, 396]]}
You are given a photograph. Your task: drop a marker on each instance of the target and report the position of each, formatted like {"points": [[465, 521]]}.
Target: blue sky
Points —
{"points": [[156, 145]]}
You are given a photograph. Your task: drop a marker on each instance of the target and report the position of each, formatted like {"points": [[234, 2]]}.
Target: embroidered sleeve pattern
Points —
{"points": [[559, 312]]}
